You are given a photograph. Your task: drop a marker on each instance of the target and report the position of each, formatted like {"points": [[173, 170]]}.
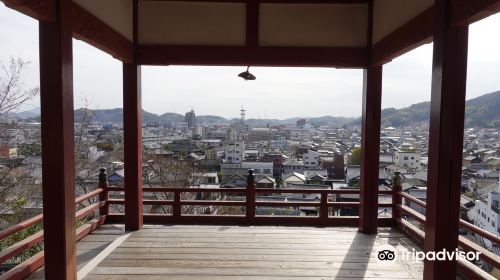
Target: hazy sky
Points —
{"points": [[277, 92]]}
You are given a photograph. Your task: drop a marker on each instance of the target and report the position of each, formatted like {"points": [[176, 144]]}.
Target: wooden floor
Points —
{"points": [[238, 252]]}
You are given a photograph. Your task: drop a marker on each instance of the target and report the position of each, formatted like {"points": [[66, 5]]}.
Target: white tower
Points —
{"points": [[242, 113]]}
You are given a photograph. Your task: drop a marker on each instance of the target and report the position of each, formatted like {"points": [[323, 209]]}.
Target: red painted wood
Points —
{"points": [[58, 169], [20, 246], [323, 212], [370, 146], [418, 236], [90, 29], [132, 137], [177, 206], [449, 75], [243, 203], [396, 198], [412, 199], [242, 190], [411, 35], [279, 1], [466, 12], [250, 197], [89, 209], [463, 223], [464, 243], [104, 195], [242, 220], [89, 195], [25, 268], [262, 56], [89, 227], [43, 10], [22, 225]]}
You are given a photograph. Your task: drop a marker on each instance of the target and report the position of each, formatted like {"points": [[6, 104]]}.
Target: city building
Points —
{"points": [[190, 119], [408, 159]]}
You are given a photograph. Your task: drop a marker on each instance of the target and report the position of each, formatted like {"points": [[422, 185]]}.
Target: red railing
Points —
{"points": [[326, 201], [468, 269], [249, 199], [31, 264]]}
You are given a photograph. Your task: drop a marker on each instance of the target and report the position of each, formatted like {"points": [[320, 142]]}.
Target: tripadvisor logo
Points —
{"points": [[388, 253]]}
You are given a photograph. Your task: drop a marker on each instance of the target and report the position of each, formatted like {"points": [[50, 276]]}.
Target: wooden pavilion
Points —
{"points": [[314, 33]]}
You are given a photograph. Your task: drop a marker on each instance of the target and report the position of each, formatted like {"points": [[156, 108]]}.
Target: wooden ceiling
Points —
{"points": [[337, 33]]}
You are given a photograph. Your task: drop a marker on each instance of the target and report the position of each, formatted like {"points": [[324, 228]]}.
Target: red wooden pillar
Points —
{"points": [[250, 197], [132, 135], [132, 138], [370, 146], [449, 73], [58, 169]]}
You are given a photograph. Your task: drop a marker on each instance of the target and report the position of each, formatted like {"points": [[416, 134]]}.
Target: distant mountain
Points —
{"points": [[33, 113], [170, 117], [482, 111], [209, 119], [326, 120]]}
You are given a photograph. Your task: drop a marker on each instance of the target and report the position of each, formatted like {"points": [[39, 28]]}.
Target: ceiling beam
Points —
{"points": [[88, 28], [466, 12], [272, 1], [411, 35], [419, 30], [43, 10], [257, 56]]}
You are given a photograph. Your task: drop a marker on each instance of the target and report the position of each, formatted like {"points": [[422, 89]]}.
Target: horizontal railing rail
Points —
{"points": [[250, 199], [28, 266], [243, 190], [466, 244]]}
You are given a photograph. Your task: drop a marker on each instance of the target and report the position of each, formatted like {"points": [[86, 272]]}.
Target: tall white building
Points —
{"points": [[311, 159], [235, 152], [486, 215], [408, 159]]}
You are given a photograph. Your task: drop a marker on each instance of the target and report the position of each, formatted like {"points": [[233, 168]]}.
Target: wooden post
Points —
{"points": [[370, 146], [449, 75], [58, 169], [250, 198], [177, 207], [104, 196], [132, 138], [323, 209], [132, 134], [396, 198]]}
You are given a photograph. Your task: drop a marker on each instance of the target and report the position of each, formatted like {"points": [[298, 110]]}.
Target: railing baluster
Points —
{"points": [[250, 197], [396, 198], [323, 212], [176, 208], [104, 195]]}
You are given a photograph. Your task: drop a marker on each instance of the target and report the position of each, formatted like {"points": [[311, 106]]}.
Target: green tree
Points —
{"points": [[355, 157]]}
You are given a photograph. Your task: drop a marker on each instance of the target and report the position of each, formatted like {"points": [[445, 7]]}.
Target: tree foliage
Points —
{"points": [[13, 93], [14, 173], [355, 157]]}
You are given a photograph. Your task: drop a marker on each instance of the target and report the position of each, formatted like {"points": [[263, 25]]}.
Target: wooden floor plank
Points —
{"points": [[263, 272], [246, 264], [187, 252], [227, 252], [222, 277]]}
